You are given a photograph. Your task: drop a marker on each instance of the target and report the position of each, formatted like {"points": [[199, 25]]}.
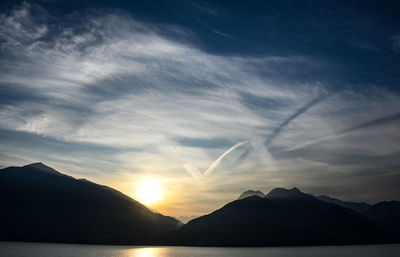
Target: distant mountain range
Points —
{"points": [[41, 204], [360, 207], [248, 193], [186, 219]]}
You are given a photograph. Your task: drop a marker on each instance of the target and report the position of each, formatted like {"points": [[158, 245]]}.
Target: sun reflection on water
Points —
{"points": [[145, 252]]}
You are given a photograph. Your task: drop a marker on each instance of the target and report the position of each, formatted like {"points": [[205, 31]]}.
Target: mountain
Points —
{"points": [[292, 195], [251, 193], [386, 215], [39, 203], [282, 217], [359, 207]]}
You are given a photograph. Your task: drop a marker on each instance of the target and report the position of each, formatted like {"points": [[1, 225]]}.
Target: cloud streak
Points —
{"points": [[220, 158], [345, 132], [299, 112], [197, 174]]}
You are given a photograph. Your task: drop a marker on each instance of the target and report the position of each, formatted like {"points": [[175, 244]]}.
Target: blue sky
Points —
{"points": [[273, 93]]}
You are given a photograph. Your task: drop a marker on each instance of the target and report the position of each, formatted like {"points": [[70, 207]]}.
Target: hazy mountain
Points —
{"points": [[186, 219], [251, 193], [359, 207], [282, 217], [39, 203]]}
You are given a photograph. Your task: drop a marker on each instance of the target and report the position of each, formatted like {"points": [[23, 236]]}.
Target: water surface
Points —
{"points": [[17, 249]]}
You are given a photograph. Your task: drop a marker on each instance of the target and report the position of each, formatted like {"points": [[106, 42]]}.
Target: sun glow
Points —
{"points": [[148, 192]]}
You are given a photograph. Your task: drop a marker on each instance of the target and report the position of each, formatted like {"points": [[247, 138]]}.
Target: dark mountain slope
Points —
{"points": [[39, 203], [387, 216], [283, 217]]}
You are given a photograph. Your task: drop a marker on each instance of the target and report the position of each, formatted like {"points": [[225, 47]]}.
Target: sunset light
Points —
{"points": [[148, 192], [207, 128]]}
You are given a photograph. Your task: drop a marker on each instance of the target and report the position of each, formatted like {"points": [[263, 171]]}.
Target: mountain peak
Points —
{"points": [[281, 190], [39, 166], [36, 165], [251, 193], [289, 194]]}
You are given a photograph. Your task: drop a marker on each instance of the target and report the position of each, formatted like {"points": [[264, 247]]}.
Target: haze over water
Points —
{"points": [[13, 249]]}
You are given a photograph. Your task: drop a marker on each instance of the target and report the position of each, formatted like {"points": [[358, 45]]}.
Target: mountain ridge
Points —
{"points": [[283, 217], [360, 207], [45, 205]]}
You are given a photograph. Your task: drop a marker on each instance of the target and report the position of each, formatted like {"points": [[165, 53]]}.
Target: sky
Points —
{"points": [[205, 98]]}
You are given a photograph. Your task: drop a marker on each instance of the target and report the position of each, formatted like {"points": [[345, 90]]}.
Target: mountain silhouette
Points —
{"points": [[282, 217], [293, 194], [39, 203], [387, 215]]}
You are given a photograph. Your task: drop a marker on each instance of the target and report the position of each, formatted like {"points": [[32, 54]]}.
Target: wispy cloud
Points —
{"points": [[144, 103], [396, 43]]}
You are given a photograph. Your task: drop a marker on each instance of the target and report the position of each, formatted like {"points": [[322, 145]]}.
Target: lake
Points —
{"points": [[16, 249]]}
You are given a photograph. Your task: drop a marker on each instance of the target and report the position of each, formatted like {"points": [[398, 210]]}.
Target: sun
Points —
{"points": [[148, 192]]}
